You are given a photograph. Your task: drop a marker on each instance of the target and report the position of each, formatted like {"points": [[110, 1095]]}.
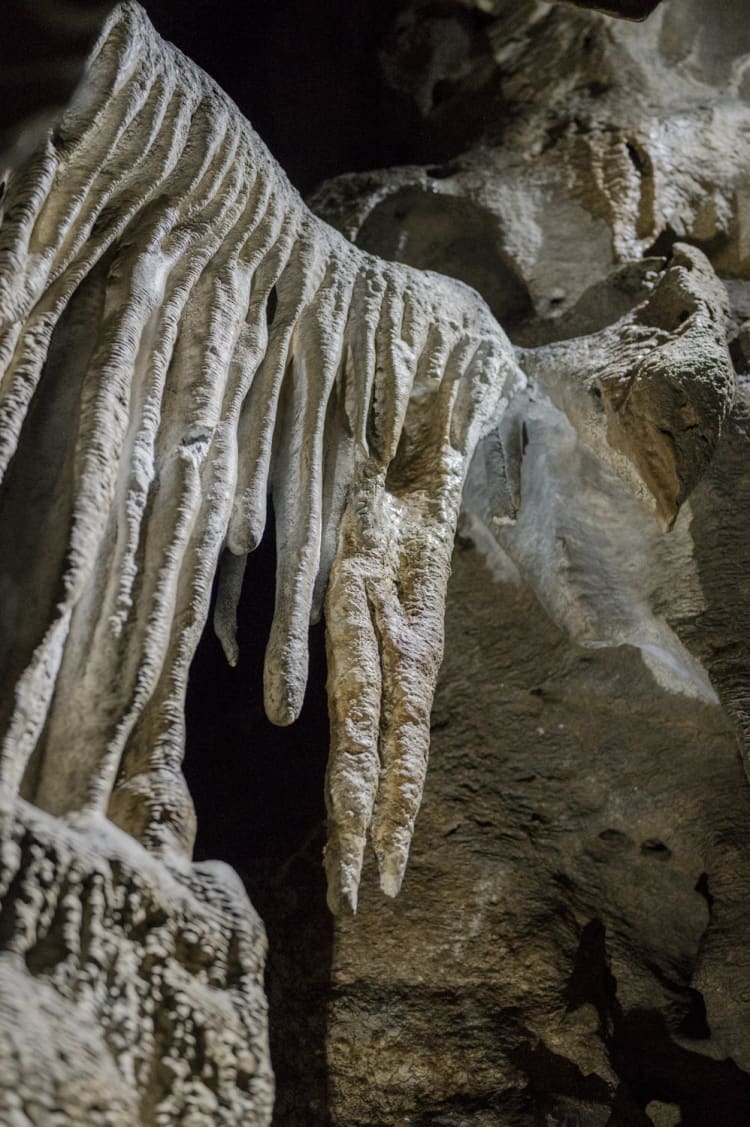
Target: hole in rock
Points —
{"points": [[443, 91], [271, 306], [638, 158], [663, 244], [695, 1022], [442, 171], [738, 357], [591, 980], [652, 847], [701, 887], [616, 838]]}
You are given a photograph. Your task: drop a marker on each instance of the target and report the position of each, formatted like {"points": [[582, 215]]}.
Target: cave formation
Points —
{"points": [[181, 337]]}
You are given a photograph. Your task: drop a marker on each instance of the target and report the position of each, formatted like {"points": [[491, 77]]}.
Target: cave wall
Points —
{"points": [[569, 944]]}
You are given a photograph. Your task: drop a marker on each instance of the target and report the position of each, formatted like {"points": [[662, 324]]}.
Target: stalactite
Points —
{"points": [[236, 348]]}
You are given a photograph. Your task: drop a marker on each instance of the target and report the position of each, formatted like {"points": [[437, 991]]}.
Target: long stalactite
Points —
{"points": [[181, 340]]}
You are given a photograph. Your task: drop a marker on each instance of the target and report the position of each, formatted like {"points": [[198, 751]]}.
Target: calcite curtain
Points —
{"points": [[187, 349]]}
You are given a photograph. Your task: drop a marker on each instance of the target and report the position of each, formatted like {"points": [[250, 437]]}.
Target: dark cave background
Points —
{"points": [[305, 75]]}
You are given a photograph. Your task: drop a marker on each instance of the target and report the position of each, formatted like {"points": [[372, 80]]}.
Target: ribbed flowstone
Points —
{"points": [[180, 337]]}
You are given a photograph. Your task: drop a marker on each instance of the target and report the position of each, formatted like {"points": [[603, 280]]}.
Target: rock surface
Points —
{"points": [[582, 846], [131, 989], [181, 340], [211, 345], [569, 946]]}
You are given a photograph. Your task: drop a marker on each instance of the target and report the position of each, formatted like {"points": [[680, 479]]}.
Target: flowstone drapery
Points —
{"points": [[181, 339], [164, 287], [618, 422]]}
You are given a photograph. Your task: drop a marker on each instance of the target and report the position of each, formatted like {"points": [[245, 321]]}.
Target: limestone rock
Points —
{"points": [[563, 144], [581, 956], [131, 988], [570, 942], [582, 843], [180, 338], [164, 286]]}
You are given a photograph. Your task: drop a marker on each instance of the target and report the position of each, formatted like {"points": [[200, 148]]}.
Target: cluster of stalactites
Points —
{"points": [[179, 339]]}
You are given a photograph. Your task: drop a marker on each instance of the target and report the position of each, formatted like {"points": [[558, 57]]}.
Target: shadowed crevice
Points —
{"points": [[258, 791]]}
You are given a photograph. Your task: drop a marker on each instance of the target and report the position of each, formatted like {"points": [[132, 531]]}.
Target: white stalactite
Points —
{"points": [[179, 340]]}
